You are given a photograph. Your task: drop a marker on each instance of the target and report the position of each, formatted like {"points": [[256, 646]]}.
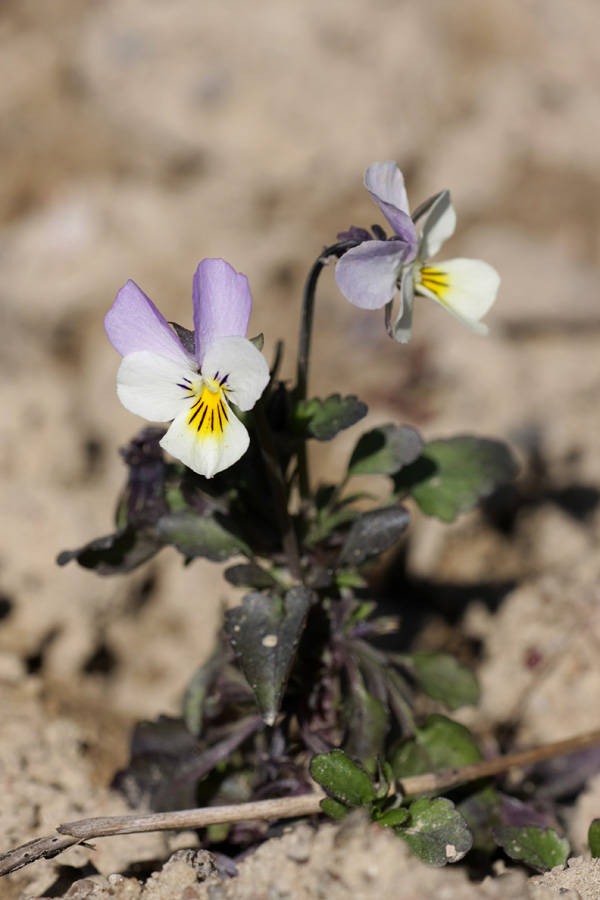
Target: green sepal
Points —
{"points": [[540, 848], [258, 341]]}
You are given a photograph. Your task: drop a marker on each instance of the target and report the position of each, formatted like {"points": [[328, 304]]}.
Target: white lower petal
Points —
{"points": [[467, 288], [208, 437], [153, 386], [243, 371]]}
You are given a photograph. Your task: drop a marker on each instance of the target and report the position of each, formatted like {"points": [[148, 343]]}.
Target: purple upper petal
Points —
{"points": [[133, 323], [222, 304], [385, 184], [367, 275]]}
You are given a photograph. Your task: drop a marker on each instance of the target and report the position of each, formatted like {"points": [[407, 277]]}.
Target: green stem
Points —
{"points": [[306, 324], [278, 490]]}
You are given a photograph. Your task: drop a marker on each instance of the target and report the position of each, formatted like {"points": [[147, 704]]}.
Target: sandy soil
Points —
{"points": [[137, 138]]}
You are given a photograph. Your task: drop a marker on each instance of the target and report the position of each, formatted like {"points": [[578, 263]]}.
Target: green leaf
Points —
{"points": [[372, 533], [194, 534], [367, 725], [436, 832], [440, 744], [196, 692], [392, 818], [116, 553], [385, 450], [334, 808], [442, 678], [482, 811], [342, 778], [249, 575], [540, 848], [264, 633], [453, 475], [594, 838], [323, 419]]}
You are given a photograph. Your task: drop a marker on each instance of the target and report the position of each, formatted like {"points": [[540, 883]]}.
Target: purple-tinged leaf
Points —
{"points": [[264, 633], [372, 533]]}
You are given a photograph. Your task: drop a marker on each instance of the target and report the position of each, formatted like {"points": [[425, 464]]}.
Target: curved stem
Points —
{"points": [[278, 490], [306, 324]]}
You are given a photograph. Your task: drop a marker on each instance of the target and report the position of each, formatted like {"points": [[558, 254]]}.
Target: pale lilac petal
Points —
{"points": [[467, 288], [438, 225], [222, 304], [402, 328], [367, 275], [385, 184], [204, 451], [155, 387], [242, 370], [133, 324]]}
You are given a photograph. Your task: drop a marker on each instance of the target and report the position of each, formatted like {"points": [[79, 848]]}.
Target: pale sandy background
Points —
{"points": [[139, 136]]}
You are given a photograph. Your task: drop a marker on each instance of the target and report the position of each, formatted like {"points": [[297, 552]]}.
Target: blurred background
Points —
{"points": [[138, 137]]}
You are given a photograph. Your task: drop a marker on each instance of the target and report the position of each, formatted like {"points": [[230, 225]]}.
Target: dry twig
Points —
{"points": [[85, 830]]}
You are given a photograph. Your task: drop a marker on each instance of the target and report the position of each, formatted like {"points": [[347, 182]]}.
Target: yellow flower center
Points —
{"points": [[434, 280], [209, 414]]}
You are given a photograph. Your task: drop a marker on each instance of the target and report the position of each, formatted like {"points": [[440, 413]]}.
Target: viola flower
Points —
{"points": [[191, 386], [370, 274]]}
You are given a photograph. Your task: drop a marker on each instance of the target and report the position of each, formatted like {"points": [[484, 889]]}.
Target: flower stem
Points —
{"points": [[278, 490], [306, 324]]}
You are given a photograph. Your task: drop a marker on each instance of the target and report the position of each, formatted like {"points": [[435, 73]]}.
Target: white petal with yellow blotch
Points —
{"points": [[243, 371], [467, 288], [208, 437]]}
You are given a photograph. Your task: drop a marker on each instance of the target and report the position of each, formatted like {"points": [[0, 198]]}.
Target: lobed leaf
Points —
{"points": [[453, 475], [436, 832], [323, 419]]}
